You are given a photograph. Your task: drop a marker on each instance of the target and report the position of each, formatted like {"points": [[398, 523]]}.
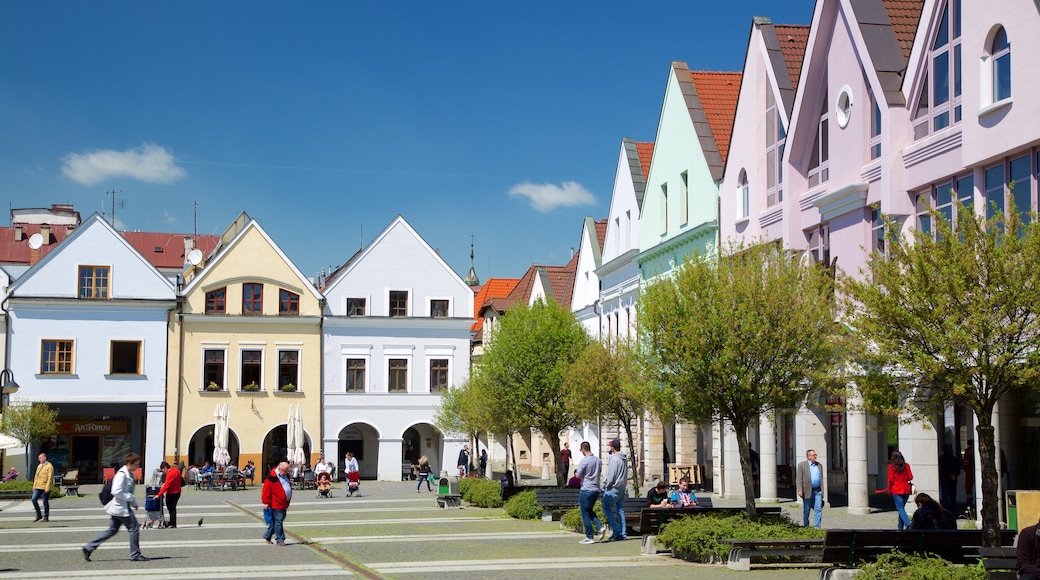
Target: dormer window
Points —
{"points": [[438, 308], [216, 301], [93, 282], [252, 298], [355, 306], [288, 303], [398, 303]]}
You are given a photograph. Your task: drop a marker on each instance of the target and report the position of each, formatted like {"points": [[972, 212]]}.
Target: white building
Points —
{"points": [[397, 335]]}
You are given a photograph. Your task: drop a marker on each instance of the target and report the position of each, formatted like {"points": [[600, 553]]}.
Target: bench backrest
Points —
{"points": [[847, 547], [556, 496], [651, 519]]}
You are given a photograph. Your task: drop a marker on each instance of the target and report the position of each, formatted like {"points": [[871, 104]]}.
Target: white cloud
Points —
{"points": [[170, 219], [149, 163], [545, 197]]}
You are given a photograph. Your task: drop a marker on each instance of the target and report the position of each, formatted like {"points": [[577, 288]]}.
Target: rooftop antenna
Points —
{"points": [[113, 192], [195, 215], [362, 240]]}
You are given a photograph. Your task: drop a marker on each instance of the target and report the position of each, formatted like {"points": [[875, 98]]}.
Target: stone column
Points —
{"points": [[156, 425], [390, 452], [856, 435], [811, 433], [717, 471], [733, 479], [767, 457], [919, 444]]}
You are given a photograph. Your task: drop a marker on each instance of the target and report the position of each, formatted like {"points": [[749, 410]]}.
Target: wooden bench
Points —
{"points": [[553, 500], [847, 548], [742, 551], [70, 481], [511, 490], [999, 563], [634, 507]]}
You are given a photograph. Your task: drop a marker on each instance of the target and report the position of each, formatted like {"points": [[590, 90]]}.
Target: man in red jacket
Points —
{"points": [[276, 495]]}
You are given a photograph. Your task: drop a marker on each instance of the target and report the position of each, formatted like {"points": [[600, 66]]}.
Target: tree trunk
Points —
{"points": [[744, 448], [990, 485], [634, 469]]}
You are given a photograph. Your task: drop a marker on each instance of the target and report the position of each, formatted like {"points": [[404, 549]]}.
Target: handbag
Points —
{"points": [[268, 516], [913, 488]]}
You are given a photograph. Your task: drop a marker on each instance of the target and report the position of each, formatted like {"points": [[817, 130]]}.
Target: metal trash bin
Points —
{"points": [[448, 492]]}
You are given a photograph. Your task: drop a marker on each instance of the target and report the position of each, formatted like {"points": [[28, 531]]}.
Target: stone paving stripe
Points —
{"points": [[444, 566], [442, 537], [321, 571]]}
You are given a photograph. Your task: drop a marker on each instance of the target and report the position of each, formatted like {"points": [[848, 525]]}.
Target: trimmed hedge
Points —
{"points": [[698, 536], [524, 506], [481, 492], [903, 566], [27, 486]]}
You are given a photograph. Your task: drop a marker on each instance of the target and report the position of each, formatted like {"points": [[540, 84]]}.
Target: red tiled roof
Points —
{"points": [[171, 255], [646, 153], [493, 288], [601, 232], [718, 92], [793, 40], [561, 280], [17, 252], [906, 17]]}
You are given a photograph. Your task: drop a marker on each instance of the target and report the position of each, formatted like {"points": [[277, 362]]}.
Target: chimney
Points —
{"points": [[45, 231], [34, 256], [19, 235]]}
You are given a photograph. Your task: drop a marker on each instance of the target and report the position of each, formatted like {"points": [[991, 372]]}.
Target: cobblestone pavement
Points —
{"points": [[389, 531]]}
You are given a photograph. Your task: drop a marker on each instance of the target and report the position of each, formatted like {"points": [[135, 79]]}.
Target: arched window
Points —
{"points": [[745, 194], [1000, 53]]}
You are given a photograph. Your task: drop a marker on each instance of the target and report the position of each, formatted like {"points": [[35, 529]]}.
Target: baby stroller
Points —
{"points": [[353, 482], [324, 484], [154, 506]]}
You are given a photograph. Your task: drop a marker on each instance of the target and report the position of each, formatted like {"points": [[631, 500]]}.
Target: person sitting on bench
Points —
{"points": [[684, 496], [658, 495]]}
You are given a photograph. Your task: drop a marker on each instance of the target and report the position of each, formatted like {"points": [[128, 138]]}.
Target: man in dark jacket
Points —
{"points": [[1028, 554], [276, 495]]}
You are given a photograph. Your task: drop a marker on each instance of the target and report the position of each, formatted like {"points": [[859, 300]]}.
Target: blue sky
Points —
{"points": [[324, 120]]}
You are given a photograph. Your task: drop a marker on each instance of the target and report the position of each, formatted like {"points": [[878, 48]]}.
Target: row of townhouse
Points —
{"points": [[876, 108], [138, 346]]}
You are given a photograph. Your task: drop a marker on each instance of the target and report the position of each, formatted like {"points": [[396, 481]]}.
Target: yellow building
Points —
{"points": [[246, 334]]}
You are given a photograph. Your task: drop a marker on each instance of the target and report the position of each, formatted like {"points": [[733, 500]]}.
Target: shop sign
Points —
{"points": [[93, 428]]}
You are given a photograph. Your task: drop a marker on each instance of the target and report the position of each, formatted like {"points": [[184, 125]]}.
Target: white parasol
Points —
{"points": [[299, 457], [221, 456], [290, 436]]}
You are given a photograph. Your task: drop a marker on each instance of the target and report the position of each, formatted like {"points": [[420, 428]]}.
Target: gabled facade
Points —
{"points": [[397, 335], [678, 218], [87, 336], [585, 296], [247, 334], [619, 271]]}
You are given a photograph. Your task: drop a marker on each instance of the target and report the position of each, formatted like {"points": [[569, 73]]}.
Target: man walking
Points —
{"points": [[588, 471], [614, 483], [809, 480], [118, 508], [276, 495], [42, 482], [463, 462]]}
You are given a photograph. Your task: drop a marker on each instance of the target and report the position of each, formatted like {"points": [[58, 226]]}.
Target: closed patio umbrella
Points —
{"points": [[290, 437], [299, 457], [221, 456]]}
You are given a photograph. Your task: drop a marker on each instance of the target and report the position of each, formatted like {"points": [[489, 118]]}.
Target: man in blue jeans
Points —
{"points": [[809, 482], [588, 471], [42, 488], [614, 482]]}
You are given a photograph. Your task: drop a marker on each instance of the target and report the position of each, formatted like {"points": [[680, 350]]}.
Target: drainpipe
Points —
{"points": [[321, 381], [180, 376]]}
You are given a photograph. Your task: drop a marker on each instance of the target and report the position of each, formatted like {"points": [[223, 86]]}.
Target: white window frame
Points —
{"points": [[775, 144], [926, 117], [223, 346], [684, 199], [278, 368], [242, 347]]}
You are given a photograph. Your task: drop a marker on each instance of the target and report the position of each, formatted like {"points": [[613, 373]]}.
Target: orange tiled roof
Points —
{"points": [[646, 153], [718, 92], [601, 233], [493, 288], [906, 17], [793, 40]]}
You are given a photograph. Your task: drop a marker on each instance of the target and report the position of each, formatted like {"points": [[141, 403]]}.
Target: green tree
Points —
{"points": [[521, 372], [952, 317], [733, 338], [466, 410], [29, 422], [606, 383]]}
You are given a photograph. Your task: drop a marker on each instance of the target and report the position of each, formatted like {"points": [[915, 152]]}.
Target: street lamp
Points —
{"points": [[7, 386]]}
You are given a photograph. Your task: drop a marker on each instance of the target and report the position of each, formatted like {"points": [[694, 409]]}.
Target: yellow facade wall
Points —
{"points": [[254, 415]]}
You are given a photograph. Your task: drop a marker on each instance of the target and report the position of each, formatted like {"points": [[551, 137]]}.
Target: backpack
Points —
{"points": [[106, 493]]}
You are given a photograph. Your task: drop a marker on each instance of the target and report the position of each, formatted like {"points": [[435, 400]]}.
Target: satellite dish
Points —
{"points": [[195, 257], [35, 241]]}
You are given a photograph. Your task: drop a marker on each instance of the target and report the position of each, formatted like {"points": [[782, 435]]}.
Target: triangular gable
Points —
{"points": [[785, 51], [364, 255], [626, 199], [231, 238], [585, 287], [94, 242], [717, 94]]}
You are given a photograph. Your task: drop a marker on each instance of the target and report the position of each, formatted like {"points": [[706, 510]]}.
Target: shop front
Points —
{"points": [[89, 444]]}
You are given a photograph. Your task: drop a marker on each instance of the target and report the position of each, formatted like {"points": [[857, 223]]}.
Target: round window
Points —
{"points": [[843, 110]]}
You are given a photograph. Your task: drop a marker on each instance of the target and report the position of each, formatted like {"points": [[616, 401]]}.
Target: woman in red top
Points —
{"points": [[172, 488], [899, 485]]}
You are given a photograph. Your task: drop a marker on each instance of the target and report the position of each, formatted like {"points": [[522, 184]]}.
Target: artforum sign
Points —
{"points": [[93, 428]]}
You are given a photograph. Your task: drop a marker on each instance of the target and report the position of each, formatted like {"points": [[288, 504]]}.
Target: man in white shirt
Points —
{"points": [[119, 510]]}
